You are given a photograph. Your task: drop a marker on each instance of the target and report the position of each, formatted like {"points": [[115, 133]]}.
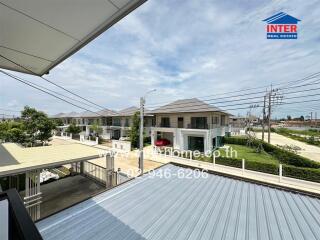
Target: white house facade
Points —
{"points": [[190, 124]]}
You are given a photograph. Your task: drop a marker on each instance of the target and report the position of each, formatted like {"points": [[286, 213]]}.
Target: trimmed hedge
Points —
{"points": [[309, 174], [231, 162], [249, 165], [270, 168], [283, 156]]}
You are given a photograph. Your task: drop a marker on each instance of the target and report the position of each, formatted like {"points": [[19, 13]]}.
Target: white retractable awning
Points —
{"points": [[36, 35]]}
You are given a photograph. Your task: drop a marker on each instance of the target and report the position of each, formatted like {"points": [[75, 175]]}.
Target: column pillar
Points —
{"points": [[110, 170]]}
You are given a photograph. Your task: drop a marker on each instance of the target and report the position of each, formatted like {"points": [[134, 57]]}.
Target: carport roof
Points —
{"points": [[36, 35], [15, 159], [183, 206]]}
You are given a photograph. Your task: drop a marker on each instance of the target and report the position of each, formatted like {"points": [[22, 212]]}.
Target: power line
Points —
{"points": [[309, 77], [246, 94], [53, 95], [8, 110], [55, 84], [55, 92], [174, 106]]}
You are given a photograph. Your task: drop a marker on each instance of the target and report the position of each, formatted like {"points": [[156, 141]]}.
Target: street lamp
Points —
{"points": [[142, 103]]}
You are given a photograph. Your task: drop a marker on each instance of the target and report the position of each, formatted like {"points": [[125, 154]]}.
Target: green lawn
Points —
{"points": [[249, 154]]}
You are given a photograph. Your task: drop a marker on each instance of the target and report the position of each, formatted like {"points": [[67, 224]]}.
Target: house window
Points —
{"points": [[180, 122], [215, 120], [127, 122], [199, 123], [109, 121], [165, 122], [116, 122], [223, 120]]}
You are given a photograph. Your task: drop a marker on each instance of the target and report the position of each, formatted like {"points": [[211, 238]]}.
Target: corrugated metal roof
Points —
{"points": [[187, 105], [188, 208]]}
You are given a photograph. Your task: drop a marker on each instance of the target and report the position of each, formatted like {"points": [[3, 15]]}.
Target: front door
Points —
{"points": [[196, 143], [214, 142], [116, 134]]}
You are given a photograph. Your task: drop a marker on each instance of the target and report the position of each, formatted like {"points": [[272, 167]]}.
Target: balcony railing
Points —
{"points": [[198, 126], [17, 223]]}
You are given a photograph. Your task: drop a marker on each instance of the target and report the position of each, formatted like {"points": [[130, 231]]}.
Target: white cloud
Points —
{"points": [[185, 49]]}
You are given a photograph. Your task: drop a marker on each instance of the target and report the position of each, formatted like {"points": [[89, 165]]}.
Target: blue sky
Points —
{"points": [[184, 49]]}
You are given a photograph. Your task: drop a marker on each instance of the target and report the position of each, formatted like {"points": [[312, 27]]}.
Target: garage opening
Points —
{"points": [[196, 143], [164, 139]]}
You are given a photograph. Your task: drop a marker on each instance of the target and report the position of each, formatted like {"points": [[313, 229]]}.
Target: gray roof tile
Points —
{"points": [[187, 105]]}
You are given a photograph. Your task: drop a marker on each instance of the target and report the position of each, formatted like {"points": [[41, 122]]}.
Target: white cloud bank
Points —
{"points": [[183, 49]]}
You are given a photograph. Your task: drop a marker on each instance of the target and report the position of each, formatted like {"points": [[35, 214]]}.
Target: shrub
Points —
{"points": [[232, 162], [271, 168], [309, 174], [282, 155]]}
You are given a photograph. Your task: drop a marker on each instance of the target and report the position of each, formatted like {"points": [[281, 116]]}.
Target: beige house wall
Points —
{"points": [[187, 118]]}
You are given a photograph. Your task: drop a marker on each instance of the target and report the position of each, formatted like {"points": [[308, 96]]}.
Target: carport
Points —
{"points": [[15, 160]]}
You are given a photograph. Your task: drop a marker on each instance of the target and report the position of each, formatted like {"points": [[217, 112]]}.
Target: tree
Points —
{"points": [[58, 122], [289, 118], [134, 132], [12, 132], [37, 125], [17, 135], [301, 118], [74, 129], [96, 129]]}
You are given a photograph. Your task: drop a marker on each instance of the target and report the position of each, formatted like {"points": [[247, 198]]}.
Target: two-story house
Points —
{"points": [[190, 124], [122, 122], [115, 125]]}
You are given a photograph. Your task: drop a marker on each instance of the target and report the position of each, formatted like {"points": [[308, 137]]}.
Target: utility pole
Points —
{"points": [[269, 116], [310, 117], [264, 116], [142, 102]]}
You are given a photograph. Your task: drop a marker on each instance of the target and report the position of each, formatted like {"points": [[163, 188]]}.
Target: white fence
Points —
{"points": [[124, 146], [98, 173], [88, 140], [65, 135], [238, 131], [174, 154]]}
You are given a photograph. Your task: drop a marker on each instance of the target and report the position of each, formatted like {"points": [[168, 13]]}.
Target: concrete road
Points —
{"points": [[308, 151]]}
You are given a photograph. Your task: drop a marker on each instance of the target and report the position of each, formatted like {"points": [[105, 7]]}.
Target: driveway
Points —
{"points": [[308, 151]]}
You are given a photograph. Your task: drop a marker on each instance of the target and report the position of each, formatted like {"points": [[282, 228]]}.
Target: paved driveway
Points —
{"points": [[308, 151]]}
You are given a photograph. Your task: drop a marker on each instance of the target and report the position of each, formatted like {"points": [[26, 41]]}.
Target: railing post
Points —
{"points": [[280, 173], [214, 160], [243, 166]]}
